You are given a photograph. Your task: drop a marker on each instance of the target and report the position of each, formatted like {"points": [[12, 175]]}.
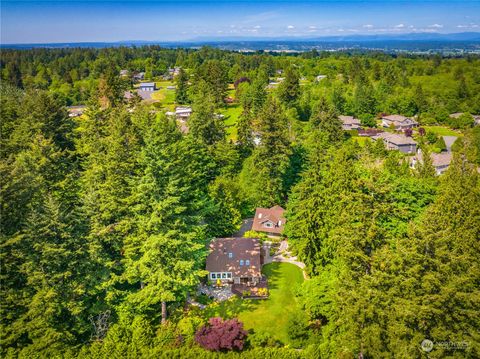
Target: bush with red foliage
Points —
{"points": [[240, 80], [408, 132], [421, 131], [221, 335]]}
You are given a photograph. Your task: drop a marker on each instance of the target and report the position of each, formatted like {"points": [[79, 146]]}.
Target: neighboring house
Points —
{"points": [[369, 132], [399, 122], [476, 118], [235, 260], [171, 87], [75, 111], [147, 86], [349, 123], [128, 95], [320, 77], [272, 84], [183, 112], [174, 71], [400, 142], [139, 76], [123, 73], [440, 161], [269, 220]]}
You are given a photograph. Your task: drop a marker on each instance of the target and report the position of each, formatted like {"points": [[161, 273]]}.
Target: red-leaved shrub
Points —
{"points": [[221, 334]]}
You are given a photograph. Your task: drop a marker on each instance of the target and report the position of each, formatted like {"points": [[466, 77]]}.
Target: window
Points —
{"points": [[212, 275], [247, 262], [241, 262], [229, 275], [268, 224], [230, 255]]}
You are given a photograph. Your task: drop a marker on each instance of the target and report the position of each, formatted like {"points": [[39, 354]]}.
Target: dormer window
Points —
{"points": [[230, 255], [241, 262], [268, 224], [259, 215], [247, 262]]}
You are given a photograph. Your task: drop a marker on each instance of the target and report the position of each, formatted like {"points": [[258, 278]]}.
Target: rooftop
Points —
{"points": [[396, 139], [226, 254], [275, 215]]}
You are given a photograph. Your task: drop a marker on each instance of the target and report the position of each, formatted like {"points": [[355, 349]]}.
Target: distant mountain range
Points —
{"points": [[464, 41]]}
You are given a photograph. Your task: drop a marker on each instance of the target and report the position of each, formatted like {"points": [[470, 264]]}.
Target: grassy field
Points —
{"points": [[442, 131], [166, 97], [270, 315], [232, 112], [361, 140]]}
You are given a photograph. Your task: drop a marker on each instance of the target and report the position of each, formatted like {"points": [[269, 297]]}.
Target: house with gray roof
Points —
{"points": [[349, 123], [399, 122], [147, 86], [396, 141], [440, 161]]}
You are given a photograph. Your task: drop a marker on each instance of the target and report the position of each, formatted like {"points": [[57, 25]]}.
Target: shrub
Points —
{"points": [[298, 328], [262, 292], [261, 340], [221, 335], [254, 234]]}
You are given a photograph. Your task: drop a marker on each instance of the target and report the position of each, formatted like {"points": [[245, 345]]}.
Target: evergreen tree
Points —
{"points": [[263, 173], [164, 252], [289, 89], [325, 119], [181, 94], [204, 124]]}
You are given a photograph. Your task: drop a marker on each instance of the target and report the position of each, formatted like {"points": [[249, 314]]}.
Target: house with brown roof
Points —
{"points": [[349, 123], [399, 122], [269, 220], [395, 141], [235, 260]]}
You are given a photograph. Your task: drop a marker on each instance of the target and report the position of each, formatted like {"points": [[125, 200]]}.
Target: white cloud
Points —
{"points": [[290, 27], [399, 26], [436, 26], [368, 26], [312, 27], [462, 26], [257, 27]]}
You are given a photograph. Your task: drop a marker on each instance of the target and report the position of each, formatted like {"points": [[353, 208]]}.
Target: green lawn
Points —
{"points": [[362, 141], [269, 315], [442, 131], [166, 97], [232, 113]]}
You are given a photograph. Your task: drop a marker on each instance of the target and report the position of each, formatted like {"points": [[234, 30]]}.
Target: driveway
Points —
{"points": [[246, 226]]}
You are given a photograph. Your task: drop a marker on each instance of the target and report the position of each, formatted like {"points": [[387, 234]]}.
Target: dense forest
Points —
{"points": [[106, 217]]}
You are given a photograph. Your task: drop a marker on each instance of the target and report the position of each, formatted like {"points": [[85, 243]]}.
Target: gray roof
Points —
{"points": [[396, 139], [147, 84], [349, 120]]}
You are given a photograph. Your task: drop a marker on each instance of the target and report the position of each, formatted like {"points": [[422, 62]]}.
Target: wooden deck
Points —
{"points": [[241, 289]]}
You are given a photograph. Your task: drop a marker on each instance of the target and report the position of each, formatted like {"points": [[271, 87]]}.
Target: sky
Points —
{"points": [[157, 20]]}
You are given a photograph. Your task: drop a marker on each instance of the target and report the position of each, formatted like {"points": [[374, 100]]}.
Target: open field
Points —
{"points": [[442, 131]]}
